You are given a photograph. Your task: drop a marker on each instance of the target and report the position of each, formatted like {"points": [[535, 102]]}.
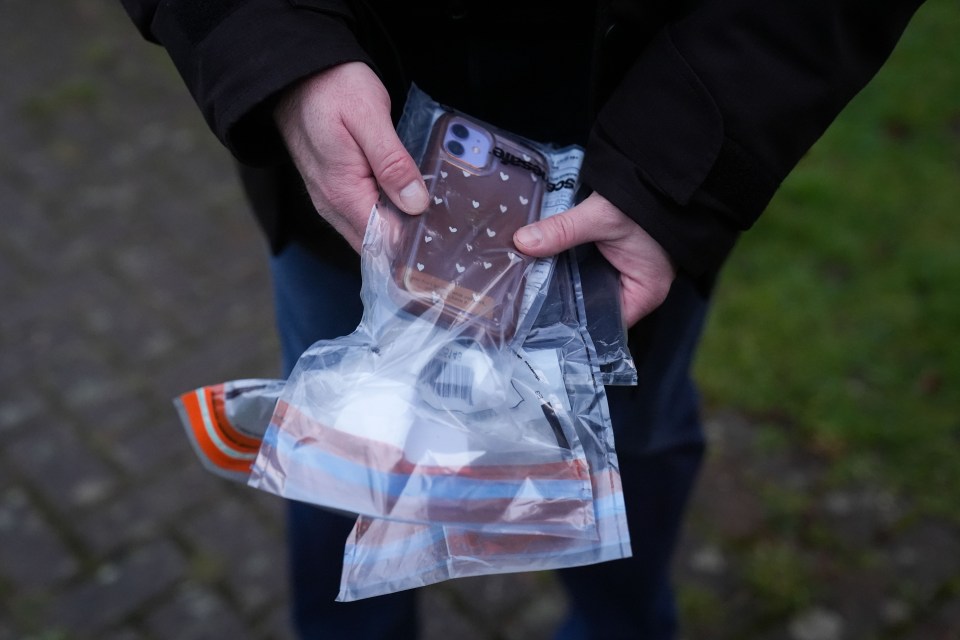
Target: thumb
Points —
{"points": [[393, 168], [557, 233]]}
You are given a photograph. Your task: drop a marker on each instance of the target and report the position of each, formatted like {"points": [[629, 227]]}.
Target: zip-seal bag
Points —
{"points": [[225, 423], [600, 284], [383, 556], [425, 413], [539, 490]]}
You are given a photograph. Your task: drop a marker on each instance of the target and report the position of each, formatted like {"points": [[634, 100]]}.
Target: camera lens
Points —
{"points": [[455, 148], [460, 131]]}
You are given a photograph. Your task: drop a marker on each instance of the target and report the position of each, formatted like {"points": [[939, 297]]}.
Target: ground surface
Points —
{"points": [[130, 271]]}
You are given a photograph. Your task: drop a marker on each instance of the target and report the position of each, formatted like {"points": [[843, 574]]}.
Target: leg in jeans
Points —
{"points": [[633, 598], [318, 300], [660, 447]]}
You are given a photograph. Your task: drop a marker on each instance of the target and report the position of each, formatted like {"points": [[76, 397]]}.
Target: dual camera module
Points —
{"points": [[456, 146], [467, 144]]}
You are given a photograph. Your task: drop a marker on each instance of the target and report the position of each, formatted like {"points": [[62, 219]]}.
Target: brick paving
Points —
{"points": [[131, 271]]}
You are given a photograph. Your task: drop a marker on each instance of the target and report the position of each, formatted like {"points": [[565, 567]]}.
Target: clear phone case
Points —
{"points": [[483, 186]]}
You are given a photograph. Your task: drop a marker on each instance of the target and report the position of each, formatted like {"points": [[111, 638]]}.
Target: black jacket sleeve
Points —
{"points": [[721, 106], [700, 132], [236, 55]]}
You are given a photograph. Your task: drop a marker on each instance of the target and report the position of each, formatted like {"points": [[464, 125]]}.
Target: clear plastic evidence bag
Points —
{"points": [[465, 420]]}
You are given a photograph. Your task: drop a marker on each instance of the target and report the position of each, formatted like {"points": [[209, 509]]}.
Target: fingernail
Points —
{"points": [[413, 197], [530, 236]]}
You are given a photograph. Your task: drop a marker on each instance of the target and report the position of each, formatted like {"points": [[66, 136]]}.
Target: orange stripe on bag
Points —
{"points": [[219, 431], [215, 395], [213, 453]]}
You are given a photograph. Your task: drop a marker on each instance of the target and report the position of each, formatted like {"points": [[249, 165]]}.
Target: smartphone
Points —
{"points": [[459, 254]]}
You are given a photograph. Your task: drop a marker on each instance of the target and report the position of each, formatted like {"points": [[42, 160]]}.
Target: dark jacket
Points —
{"points": [[692, 112]]}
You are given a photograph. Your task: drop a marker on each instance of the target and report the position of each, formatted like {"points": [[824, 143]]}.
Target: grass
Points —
{"points": [[701, 609], [778, 579], [72, 94], [839, 312]]}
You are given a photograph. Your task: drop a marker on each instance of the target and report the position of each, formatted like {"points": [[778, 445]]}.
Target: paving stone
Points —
{"points": [[149, 266], [817, 623], [134, 334], [162, 444], [895, 612], [218, 311], [118, 590], [33, 322], [513, 605], [115, 419], [857, 594], [927, 557], [146, 511], [708, 559], [196, 613], [20, 408], [860, 517], [271, 509], [28, 239], [84, 375], [251, 558], [32, 556], [441, 618], [125, 633], [61, 466], [277, 624], [723, 501], [541, 615], [941, 624], [210, 362]]}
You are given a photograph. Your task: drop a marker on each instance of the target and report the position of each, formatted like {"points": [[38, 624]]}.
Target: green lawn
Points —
{"points": [[837, 321]]}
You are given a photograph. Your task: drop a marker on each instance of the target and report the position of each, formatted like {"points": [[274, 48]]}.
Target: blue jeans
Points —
{"points": [[630, 598]]}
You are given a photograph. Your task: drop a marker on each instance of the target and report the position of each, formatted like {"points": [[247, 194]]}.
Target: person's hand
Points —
{"points": [[338, 131], [646, 271]]}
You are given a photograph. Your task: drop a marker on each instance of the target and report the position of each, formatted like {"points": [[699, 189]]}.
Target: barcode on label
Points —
{"points": [[450, 380]]}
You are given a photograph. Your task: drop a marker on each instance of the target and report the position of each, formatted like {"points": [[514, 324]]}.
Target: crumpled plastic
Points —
{"points": [[465, 420], [383, 556]]}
